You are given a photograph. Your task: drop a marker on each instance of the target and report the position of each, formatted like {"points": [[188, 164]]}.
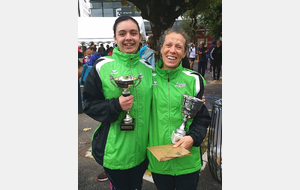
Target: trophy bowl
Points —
{"points": [[125, 82], [191, 107]]}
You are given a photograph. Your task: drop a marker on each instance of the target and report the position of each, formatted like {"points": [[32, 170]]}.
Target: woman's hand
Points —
{"points": [[126, 102], [186, 142]]}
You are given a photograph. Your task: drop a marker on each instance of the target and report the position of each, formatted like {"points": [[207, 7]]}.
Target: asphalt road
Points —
{"points": [[88, 169]]}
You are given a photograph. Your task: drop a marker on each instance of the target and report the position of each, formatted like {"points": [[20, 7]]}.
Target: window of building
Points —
{"points": [[117, 4], [107, 5], [96, 5], [96, 12], [108, 12]]}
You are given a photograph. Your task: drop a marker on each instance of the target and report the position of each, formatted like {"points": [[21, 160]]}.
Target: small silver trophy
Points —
{"points": [[191, 106], [125, 82]]}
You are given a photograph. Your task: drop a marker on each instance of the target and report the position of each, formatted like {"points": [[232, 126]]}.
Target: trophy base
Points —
{"points": [[127, 126]]}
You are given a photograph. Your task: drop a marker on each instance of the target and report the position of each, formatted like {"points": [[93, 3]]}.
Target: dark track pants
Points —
{"points": [[180, 182], [130, 179], [201, 67]]}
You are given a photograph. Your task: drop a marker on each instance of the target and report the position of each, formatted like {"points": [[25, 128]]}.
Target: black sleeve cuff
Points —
{"points": [[117, 105], [194, 139]]}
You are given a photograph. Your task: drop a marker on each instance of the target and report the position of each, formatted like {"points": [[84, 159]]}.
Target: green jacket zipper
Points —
{"points": [[136, 112]]}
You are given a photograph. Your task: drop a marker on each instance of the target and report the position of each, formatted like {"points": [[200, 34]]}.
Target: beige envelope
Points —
{"points": [[167, 152]]}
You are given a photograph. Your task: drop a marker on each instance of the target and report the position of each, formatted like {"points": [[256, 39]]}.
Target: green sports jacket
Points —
{"points": [[166, 116], [111, 147]]}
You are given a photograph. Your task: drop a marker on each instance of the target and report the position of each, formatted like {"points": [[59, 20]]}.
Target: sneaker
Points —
{"points": [[102, 177]]}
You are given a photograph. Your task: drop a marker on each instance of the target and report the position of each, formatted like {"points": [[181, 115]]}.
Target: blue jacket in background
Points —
{"points": [[142, 50], [93, 58], [149, 56]]}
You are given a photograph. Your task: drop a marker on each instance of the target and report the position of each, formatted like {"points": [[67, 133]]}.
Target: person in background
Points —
{"points": [[91, 44], [201, 58], [217, 58], [148, 53], [186, 62], [95, 55], [192, 55], [83, 48], [107, 49], [210, 58], [80, 67], [143, 49], [87, 56], [172, 80], [110, 51], [121, 153], [102, 51], [140, 46], [80, 54]]}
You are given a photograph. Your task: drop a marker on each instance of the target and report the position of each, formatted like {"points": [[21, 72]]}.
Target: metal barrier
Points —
{"points": [[215, 141]]}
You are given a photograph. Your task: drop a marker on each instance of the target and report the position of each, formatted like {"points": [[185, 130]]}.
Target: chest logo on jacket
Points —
{"points": [[180, 85], [154, 83], [114, 72]]}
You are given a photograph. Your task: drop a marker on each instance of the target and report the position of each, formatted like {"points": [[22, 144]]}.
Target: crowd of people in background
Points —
{"points": [[200, 55], [88, 55]]}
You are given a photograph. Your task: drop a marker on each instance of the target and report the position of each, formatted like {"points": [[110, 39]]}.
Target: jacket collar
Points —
{"points": [[167, 73], [129, 60]]}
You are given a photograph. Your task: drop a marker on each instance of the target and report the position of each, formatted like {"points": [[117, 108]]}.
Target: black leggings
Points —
{"points": [[130, 179], [180, 182]]}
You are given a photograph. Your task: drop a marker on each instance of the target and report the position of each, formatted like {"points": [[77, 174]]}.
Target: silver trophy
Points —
{"points": [[125, 82], [191, 106]]}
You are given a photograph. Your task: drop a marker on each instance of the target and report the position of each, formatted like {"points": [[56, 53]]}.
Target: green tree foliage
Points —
{"points": [[189, 25], [207, 13], [212, 19]]}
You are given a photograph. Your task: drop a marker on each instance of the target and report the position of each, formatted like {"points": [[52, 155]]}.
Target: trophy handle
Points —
{"points": [[112, 81], [140, 79]]}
